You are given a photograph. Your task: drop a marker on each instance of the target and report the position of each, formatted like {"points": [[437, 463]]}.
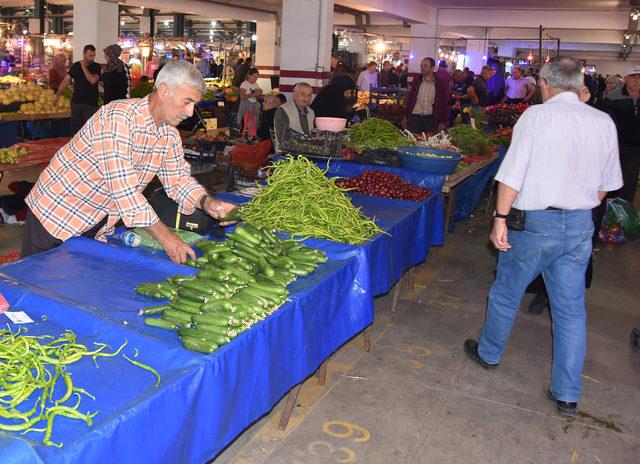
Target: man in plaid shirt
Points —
{"points": [[98, 177]]}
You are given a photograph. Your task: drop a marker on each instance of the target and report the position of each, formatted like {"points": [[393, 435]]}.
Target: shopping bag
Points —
{"points": [[623, 213]]}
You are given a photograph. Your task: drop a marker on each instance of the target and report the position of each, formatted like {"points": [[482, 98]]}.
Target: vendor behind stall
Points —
{"points": [[427, 107], [296, 114], [99, 176], [57, 71]]}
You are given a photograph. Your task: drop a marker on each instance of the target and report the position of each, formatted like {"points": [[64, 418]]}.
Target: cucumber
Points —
{"points": [[161, 323], [243, 234], [212, 274], [190, 262], [198, 345], [184, 306], [211, 306], [150, 310], [223, 329], [177, 315], [272, 289], [191, 294], [178, 278], [228, 257], [202, 261], [303, 258], [246, 264], [266, 268]]}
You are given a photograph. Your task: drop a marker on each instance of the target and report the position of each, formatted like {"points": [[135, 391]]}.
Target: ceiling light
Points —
{"points": [[122, 22], [254, 37], [213, 23], [166, 23]]}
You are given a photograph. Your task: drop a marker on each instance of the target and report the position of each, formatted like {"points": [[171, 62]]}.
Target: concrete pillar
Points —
{"points": [[423, 45], [94, 22], [178, 25], [267, 58], [476, 54], [305, 50]]}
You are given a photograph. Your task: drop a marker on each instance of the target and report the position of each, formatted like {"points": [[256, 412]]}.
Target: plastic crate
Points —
{"points": [[445, 165], [321, 144]]}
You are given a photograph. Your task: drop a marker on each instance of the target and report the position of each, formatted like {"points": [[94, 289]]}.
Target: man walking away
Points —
{"points": [[562, 160], [85, 75]]}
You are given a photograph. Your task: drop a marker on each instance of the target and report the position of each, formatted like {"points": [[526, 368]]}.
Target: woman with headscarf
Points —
{"points": [[115, 77], [57, 71]]}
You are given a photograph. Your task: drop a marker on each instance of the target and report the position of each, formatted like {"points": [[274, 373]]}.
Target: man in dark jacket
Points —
{"points": [[623, 105], [427, 107], [241, 73]]}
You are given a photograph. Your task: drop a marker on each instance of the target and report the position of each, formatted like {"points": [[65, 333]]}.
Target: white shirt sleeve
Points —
{"points": [[611, 171], [363, 81], [516, 162]]}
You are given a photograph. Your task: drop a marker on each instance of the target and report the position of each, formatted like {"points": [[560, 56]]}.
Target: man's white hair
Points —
{"points": [[177, 73]]}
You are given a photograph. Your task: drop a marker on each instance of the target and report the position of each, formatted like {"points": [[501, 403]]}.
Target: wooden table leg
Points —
{"points": [[321, 373], [396, 295], [450, 209], [292, 398], [367, 340], [412, 279]]}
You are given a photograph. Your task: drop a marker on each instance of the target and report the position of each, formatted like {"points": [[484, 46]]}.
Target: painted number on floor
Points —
{"points": [[339, 431]]}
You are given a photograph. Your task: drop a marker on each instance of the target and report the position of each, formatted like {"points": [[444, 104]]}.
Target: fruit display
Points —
{"points": [[505, 114], [241, 281], [36, 100], [502, 136], [384, 184], [10, 79], [12, 155]]}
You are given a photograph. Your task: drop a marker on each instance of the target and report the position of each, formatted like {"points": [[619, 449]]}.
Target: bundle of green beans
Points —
{"points": [[375, 133], [30, 368], [301, 200]]}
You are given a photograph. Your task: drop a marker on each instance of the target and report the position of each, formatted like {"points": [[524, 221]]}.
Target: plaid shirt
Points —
{"points": [[104, 169]]}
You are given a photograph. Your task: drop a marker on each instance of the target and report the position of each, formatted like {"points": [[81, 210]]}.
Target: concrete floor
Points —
{"points": [[416, 398]]}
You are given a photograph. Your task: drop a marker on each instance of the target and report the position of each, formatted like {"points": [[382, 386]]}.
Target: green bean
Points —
{"points": [[144, 366], [301, 200], [375, 133]]}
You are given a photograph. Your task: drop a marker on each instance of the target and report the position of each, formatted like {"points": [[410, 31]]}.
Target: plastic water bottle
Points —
{"points": [[129, 238]]}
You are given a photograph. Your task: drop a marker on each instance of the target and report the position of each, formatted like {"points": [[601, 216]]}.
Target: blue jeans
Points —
{"points": [[558, 244]]}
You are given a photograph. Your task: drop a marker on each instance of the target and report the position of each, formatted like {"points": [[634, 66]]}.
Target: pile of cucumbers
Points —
{"points": [[241, 281]]}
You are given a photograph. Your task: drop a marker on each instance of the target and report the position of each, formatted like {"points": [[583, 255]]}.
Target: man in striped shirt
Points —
{"points": [[98, 177]]}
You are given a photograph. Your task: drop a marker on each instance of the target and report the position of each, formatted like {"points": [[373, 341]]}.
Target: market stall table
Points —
{"points": [[91, 292], [204, 401], [453, 181], [39, 153], [9, 123]]}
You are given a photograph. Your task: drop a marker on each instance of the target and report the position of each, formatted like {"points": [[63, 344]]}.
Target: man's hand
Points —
{"points": [[499, 234], [404, 122], [218, 209], [176, 249]]}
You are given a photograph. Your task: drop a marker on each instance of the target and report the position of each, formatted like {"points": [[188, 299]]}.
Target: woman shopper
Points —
{"points": [[57, 71], [249, 108], [116, 77]]}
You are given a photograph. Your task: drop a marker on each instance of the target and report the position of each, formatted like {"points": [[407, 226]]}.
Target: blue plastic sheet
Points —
{"points": [[469, 191], [203, 402]]}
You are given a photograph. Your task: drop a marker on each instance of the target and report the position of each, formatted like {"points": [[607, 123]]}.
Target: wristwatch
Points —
{"points": [[202, 200], [498, 215]]}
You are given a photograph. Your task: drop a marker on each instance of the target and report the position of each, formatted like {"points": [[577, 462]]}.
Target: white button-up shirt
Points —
{"points": [[366, 80], [562, 154]]}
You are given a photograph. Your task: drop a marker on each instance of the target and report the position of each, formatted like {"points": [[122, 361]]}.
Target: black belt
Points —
{"points": [[552, 208], [423, 115]]}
